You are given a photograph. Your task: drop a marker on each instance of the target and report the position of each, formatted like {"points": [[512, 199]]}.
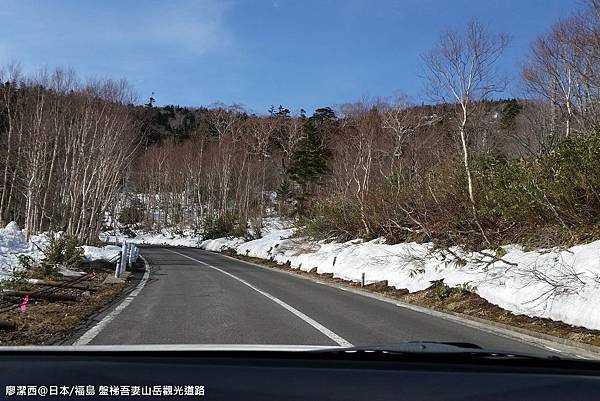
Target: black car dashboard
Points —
{"points": [[292, 375]]}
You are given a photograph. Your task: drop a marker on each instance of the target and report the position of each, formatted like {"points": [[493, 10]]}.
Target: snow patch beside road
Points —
{"points": [[164, 237], [108, 253], [13, 244]]}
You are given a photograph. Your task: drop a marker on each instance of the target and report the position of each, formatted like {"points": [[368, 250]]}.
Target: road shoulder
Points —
{"points": [[95, 323]]}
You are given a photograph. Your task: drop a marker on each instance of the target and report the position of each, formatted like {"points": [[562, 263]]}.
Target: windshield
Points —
{"points": [[314, 174]]}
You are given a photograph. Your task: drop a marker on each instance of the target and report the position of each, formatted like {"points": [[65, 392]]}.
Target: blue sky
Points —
{"points": [[302, 54]]}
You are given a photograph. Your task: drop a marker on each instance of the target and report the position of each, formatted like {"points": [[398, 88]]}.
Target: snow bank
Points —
{"points": [[560, 284], [107, 253], [165, 237], [13, 244], [189, 238], [220, 244]]}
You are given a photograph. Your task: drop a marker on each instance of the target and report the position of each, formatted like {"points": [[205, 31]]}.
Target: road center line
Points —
{"points": [[278, 301]]}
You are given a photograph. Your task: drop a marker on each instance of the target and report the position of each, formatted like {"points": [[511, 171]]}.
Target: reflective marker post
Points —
{"points": [[128, 255], [122, 261], [118, 265], [123, 258]]}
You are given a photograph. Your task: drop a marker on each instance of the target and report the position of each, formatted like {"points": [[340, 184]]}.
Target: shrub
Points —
{"points": [[226, 225], [65, 251], [26, 262], [441, 291], [333, 218], [465, 288], [255, 230], [555, 196]]}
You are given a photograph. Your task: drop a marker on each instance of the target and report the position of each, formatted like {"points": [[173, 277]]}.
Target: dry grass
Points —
{"points": [[45, 322]]}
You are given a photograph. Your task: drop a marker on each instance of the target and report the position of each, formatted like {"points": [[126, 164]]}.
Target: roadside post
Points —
{"points": [[118, 264], [127, 256], [122, 261], [130, 255]]}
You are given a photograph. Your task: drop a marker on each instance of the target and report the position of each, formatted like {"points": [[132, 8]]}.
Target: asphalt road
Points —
{"points": [[199, 297]]}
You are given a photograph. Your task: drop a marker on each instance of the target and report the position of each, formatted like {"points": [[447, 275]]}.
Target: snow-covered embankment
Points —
{"points": [[13, 244]]}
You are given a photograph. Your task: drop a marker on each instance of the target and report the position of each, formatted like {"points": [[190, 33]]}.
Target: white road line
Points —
{"points": [[278, 301], [89, 335]]}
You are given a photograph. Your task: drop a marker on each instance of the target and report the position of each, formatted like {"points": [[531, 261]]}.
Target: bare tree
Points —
{"points": [[10, 77], [550, 73], [462, 69], [359, 152], [563, 69], [67, 146], [400, 126], [260, 132]]}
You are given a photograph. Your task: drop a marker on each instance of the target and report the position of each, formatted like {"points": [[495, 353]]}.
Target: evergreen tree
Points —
{"points": [[149, 133], [282, 112], [324, 114], [309, 161], [509, 113], [279, 112]]}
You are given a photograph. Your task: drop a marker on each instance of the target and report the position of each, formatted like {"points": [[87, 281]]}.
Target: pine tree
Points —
{"points": [[309, 161], [509, 113]]}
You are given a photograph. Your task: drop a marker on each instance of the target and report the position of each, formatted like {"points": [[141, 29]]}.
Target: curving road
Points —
{"points": [[199, 297]]}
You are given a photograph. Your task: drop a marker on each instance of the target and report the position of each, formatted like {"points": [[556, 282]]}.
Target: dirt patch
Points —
{"points": [[443, 298], [54, 322]]}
